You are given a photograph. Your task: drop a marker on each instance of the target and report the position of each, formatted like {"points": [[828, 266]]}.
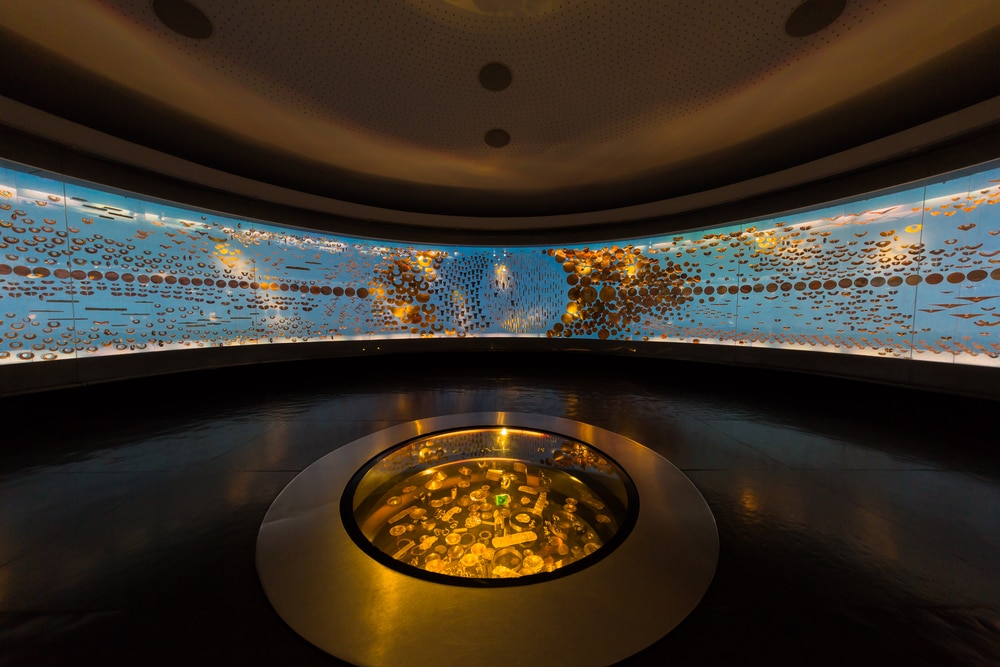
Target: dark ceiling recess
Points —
{"points": [[497, 138], [495, 76], [813, 15], [183, 18]]}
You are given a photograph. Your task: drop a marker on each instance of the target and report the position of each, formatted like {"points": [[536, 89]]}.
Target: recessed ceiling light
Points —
{"points": [[183, 18], [495, 76], [497, 138], [812, 16]]}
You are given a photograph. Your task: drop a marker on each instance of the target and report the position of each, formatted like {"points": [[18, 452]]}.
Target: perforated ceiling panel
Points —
{"points": [[609, 103], [583, 71]]}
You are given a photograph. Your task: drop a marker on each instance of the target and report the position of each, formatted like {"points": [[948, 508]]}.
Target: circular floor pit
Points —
{"points": [[487, 538], [488, 504]]}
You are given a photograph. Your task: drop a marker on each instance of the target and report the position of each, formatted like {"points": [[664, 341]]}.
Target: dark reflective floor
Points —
{"points": [[858, 523]]}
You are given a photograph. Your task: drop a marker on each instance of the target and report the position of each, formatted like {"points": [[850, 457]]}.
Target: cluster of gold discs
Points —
{"points": [[489, 518], [614, 291], [403, 286]]}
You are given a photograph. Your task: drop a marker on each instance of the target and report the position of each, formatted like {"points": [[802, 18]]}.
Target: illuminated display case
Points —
{"points": [[905, 274], [490, 504]]}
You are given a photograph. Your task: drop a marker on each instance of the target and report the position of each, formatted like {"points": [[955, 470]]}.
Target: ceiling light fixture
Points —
{"points": [[183, 18], [495, 76], [497, 138], [812, 16]]}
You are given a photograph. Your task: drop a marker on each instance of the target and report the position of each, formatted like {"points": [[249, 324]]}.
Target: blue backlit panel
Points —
{"points": [[86, 271]]}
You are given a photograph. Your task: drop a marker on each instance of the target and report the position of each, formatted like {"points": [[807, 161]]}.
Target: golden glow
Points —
{"points": [[765, 242], [238, 490], [750, 501], [524, 509]]}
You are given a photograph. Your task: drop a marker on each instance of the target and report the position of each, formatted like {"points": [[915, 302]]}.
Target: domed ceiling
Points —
{"points": [[503, 115]]}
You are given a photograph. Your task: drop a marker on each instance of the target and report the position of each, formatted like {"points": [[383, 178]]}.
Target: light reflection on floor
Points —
{"points": [[857, 531]]}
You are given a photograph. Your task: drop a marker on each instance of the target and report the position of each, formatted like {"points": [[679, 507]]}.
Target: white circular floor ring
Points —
{"points": [[358, 609]]}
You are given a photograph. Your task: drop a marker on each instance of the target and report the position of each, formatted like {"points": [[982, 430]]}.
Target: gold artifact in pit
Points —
{"points": [[432, 521]]}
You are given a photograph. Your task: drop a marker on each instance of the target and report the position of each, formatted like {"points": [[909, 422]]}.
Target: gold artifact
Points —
{"points": [[570, 501]]}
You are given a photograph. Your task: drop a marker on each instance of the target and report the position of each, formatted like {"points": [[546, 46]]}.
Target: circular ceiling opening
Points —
{"points": [[494, 505], [812, 16], [183, 18], [495, 76], [497, 138]]}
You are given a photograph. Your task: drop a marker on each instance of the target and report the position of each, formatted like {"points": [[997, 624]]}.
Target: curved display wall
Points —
{"points": [[87, 272]]}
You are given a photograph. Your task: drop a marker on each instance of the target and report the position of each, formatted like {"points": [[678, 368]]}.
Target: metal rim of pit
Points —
{"points": [[339, 598], [627, 523]]}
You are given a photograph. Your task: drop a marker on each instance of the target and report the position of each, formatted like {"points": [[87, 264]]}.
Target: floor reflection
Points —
{"points": [[857, 530]]}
